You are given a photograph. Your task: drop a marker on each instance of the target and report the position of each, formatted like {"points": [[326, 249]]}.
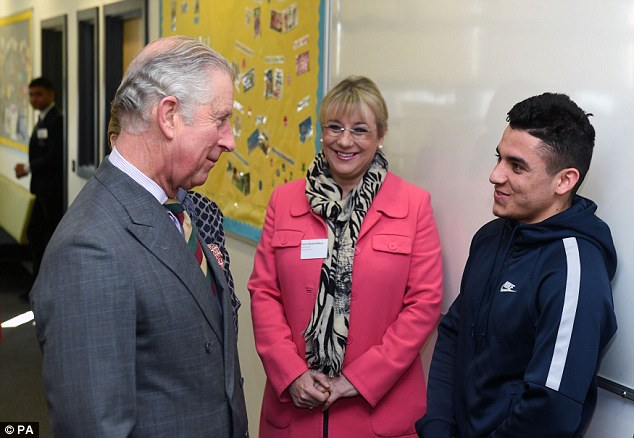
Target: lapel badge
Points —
{"points": [[215, 250]]}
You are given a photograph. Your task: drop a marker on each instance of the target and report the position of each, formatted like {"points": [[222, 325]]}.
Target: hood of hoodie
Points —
{"points": [[578, 221]]}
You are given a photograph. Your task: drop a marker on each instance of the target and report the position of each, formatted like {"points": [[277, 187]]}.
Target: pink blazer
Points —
{"points": [[395, 305]]}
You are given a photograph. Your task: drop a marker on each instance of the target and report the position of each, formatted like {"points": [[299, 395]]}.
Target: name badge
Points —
{"points": [[42, 133], [314, 249]]}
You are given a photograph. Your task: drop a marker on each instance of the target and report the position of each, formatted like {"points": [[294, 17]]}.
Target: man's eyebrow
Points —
{"points": [[224, 114], [518, 160], [513, 159]]}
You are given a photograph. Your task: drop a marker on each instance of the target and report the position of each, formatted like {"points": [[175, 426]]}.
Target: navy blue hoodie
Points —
{"points": [[518, 351]]}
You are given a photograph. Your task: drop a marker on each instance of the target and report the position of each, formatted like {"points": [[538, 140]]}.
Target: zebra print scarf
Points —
{"points": [[327, 331]]}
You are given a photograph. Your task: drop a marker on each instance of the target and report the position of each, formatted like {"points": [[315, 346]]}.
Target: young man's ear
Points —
{"points": [[568, 178]]}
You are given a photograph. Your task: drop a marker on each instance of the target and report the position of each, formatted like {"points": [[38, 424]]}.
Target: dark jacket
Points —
{"points": [[519, 349], [46, 157]]}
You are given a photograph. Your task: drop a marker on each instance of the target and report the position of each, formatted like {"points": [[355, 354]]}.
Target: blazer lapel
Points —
{"points": [[152, 227], [173, 252]]}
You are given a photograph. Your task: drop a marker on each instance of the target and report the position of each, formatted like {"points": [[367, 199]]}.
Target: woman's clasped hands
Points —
{"points": [[314, 389]]}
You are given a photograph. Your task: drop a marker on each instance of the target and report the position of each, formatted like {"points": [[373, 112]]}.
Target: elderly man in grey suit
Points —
{"points": [[136, 339]]}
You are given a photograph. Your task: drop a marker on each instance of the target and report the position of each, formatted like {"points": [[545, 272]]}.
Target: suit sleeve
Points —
{"points": [[376, 371], [273, 337], [86, 325]]}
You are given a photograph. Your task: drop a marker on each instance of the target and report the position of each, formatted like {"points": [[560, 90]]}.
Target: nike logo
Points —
{"points": [[508, 287]]}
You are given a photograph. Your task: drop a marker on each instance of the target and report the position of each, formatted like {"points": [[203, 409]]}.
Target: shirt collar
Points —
{"points": [[129, 169], [45, 111]]}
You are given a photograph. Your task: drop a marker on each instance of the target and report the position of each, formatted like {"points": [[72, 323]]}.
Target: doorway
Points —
{"points": [[126, 32], [54, 67]]}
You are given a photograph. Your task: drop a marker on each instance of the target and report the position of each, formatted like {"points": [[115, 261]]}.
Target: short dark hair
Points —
{"points": [[42, 82], [563, 128]]}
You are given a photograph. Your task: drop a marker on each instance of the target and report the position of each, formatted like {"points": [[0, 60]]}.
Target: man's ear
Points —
{"points": [[567, 180], [166, 114]]}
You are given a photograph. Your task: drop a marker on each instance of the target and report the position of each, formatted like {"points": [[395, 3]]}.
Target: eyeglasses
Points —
{"points": [[336, 130]]}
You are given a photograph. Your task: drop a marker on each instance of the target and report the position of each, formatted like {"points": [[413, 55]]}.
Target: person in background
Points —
{"points": [[518, 351], [136, 328], [46, 166], [346, 285]]}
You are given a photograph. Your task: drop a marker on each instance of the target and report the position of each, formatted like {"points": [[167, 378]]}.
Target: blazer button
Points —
{"points": [[392, 246], [208, 347]]}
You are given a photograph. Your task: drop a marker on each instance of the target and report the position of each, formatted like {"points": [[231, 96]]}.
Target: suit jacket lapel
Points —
{"points": [[173, 252], [151, 225]]}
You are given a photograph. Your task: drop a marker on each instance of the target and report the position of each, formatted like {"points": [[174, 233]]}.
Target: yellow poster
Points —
{"points": [[275, 47]]}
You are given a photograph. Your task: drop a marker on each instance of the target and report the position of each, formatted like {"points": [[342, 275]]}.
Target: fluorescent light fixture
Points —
{"points": [[18, 320]]}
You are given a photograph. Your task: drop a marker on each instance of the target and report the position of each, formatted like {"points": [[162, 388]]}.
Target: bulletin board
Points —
{"points": [[276, 48], [15, 74]]}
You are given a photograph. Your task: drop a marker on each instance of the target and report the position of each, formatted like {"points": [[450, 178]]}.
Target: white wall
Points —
{"points": [[242, 253], [614, 417]]}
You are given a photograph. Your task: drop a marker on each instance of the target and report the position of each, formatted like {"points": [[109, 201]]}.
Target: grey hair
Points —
{"points": [[170, 66]]}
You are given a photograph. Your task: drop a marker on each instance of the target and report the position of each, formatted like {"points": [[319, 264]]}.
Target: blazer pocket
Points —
{"points": [[286, 238], [276, 413], [399, 409], [392, 243]]}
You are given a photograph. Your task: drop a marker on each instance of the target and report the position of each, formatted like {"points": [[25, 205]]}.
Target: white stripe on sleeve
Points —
{"points": [[568, 314]]}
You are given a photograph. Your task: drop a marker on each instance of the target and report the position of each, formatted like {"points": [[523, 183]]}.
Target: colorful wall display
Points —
{"points": [[15, 74], [276, 48]]}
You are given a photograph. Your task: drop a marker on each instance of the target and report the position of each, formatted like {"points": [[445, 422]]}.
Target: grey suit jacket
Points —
{"points": [[133, 341]]}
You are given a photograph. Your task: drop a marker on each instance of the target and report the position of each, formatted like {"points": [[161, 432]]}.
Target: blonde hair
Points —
{"points": [[355, 93]]}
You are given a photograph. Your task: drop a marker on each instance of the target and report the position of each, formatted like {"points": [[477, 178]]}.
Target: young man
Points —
{"points": [[518, 351], [137, 339], [46, 166]]}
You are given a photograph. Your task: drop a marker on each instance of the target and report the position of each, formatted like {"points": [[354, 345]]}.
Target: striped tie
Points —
{"points": [[191, 236]]}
